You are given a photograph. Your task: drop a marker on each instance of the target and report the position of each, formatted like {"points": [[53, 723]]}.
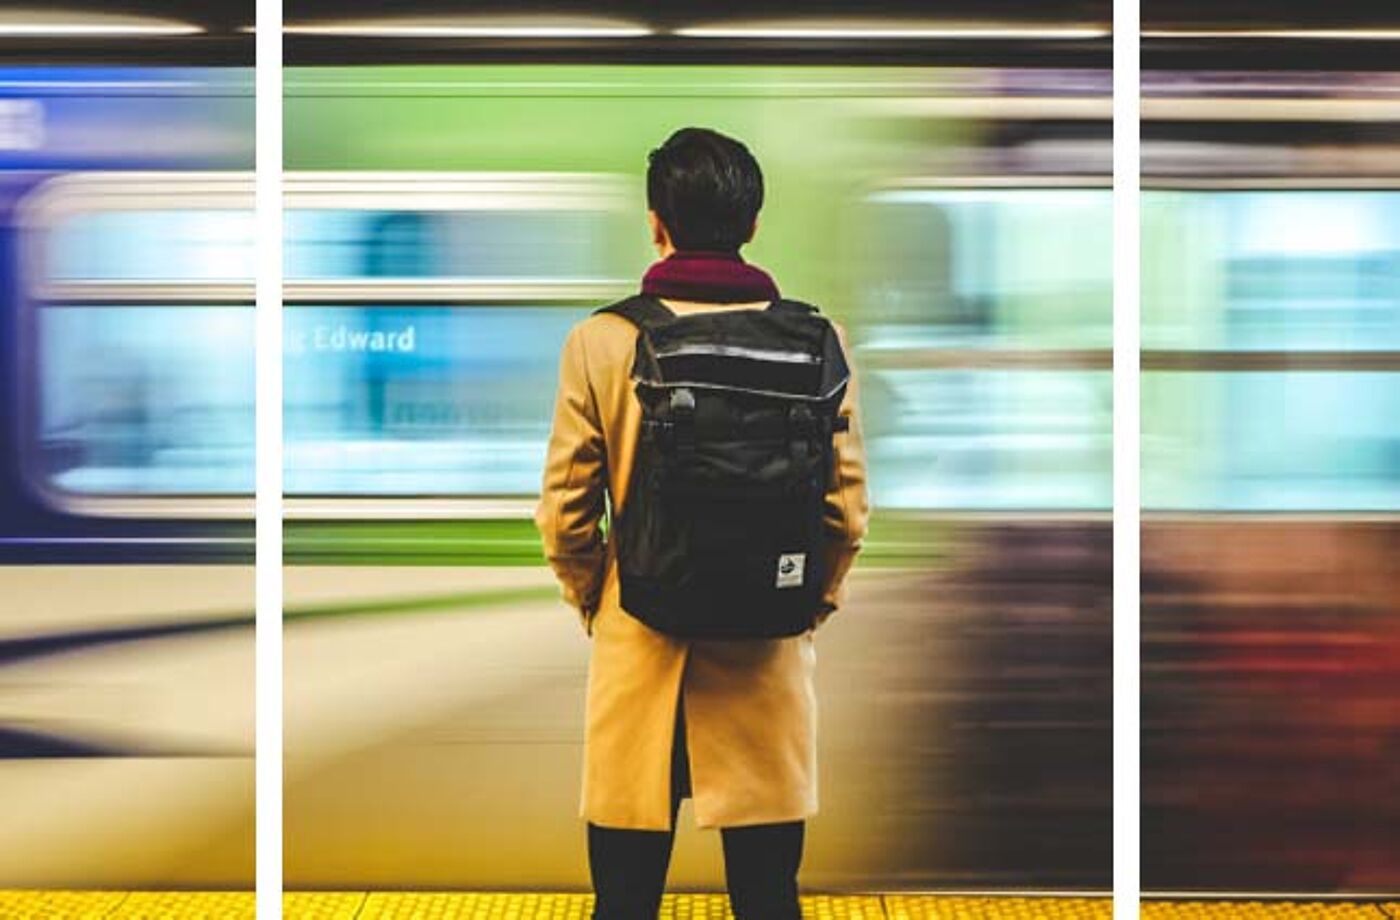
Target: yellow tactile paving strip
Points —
{"points": [[358, 905], [127, 905], [455, 906], [323, 905], [452, 906], [175, 905], [831, 907], [31, 905], [1263, 910], [927, 907]]}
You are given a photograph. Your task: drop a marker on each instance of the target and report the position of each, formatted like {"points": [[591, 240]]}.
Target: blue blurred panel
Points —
{"points": [[987, 268], [123, 82], [144, 400], [517, 244], [1242, 270], [1271, 441], [126, 117], [161, 245], [395, 401], [989, 440]]}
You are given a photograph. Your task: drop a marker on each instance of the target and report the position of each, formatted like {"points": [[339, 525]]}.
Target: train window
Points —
{"points": [[137, 381], [991, 267], [521, 244], [1271, 334], [1000, 439], [145, 400], [424, 319], [985, 345], [420, 400], [128, 245], [424, 315]]}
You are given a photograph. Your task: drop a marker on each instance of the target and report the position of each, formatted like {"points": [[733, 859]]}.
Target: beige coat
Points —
{"points": [[750, 708]]}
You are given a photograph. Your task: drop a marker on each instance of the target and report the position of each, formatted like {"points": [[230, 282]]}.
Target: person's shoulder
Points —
{"points": [[815, 307], [602, 338], [832, 321], [597, 324]]}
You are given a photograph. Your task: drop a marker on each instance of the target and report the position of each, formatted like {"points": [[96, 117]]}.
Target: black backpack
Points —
{"points": [[721, 536]]}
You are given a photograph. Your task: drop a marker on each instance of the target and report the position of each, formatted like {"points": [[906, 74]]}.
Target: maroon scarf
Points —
{"points": [[708, 277]]}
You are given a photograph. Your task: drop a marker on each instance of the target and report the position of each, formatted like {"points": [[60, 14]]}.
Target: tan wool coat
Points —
{"points": [[750, 707]]}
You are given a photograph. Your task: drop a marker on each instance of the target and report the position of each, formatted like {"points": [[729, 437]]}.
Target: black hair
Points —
{"points": [[706, 188]]}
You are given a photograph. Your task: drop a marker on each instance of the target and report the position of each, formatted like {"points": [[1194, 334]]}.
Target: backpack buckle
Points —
{"points": [[682, 420], [801, 421], [802, 424]]}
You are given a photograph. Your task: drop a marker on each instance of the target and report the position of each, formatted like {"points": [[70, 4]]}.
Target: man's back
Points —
{"points": [[599, 445]]}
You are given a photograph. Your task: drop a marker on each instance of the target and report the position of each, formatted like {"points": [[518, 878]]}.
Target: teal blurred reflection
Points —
{"points": [[194, 244], [154, 400], [1271, 329], [981, 326], [419, 400], [988, 267], [493, 243]]}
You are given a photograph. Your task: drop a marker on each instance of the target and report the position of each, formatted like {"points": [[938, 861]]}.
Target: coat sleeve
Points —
{"points": [[573, 496], [847, 513]]}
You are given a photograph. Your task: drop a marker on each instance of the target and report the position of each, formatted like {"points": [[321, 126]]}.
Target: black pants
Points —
{"points": [[760, 861]]}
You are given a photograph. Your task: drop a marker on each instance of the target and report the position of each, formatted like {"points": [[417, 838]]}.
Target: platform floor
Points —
{"points": [[360, 905]]}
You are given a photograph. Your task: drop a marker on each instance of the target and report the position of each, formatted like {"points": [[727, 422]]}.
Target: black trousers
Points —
{"points": [[760, 861]]}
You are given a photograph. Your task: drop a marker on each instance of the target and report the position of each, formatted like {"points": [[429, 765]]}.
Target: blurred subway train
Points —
{"points": [[126, 583], [449, 222], [445, 226], [455, 204], [957, 219], [1271, 475]]}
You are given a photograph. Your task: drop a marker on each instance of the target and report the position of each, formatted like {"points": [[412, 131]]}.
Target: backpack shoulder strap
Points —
{"points": [[642, 310], [799, 307]]}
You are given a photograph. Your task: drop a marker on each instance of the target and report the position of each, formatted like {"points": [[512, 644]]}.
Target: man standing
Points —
{"points": [[729, 723]]}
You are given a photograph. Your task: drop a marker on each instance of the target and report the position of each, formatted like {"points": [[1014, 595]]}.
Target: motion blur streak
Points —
{"points": [[435, 264], [1271, 479], [126, 653]]}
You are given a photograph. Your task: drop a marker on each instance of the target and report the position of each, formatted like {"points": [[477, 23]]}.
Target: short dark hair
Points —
{"points": [[706, 188]]}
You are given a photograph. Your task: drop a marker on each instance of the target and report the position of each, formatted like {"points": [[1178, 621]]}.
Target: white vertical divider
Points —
{"points": [[268, 500], [1127, 377]]}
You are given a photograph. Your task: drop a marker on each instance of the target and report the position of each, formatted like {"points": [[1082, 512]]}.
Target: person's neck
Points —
{"points": [[727, 255]]}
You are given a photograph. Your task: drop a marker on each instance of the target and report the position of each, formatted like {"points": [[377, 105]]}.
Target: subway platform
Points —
{"points": [[365, 905]]}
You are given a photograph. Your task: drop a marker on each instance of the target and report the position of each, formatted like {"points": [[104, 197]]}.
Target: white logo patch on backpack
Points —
{"points": [[790, 567]]}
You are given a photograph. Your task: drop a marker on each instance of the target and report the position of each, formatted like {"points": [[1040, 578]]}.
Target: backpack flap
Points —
{"points": [[721, 535]]}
